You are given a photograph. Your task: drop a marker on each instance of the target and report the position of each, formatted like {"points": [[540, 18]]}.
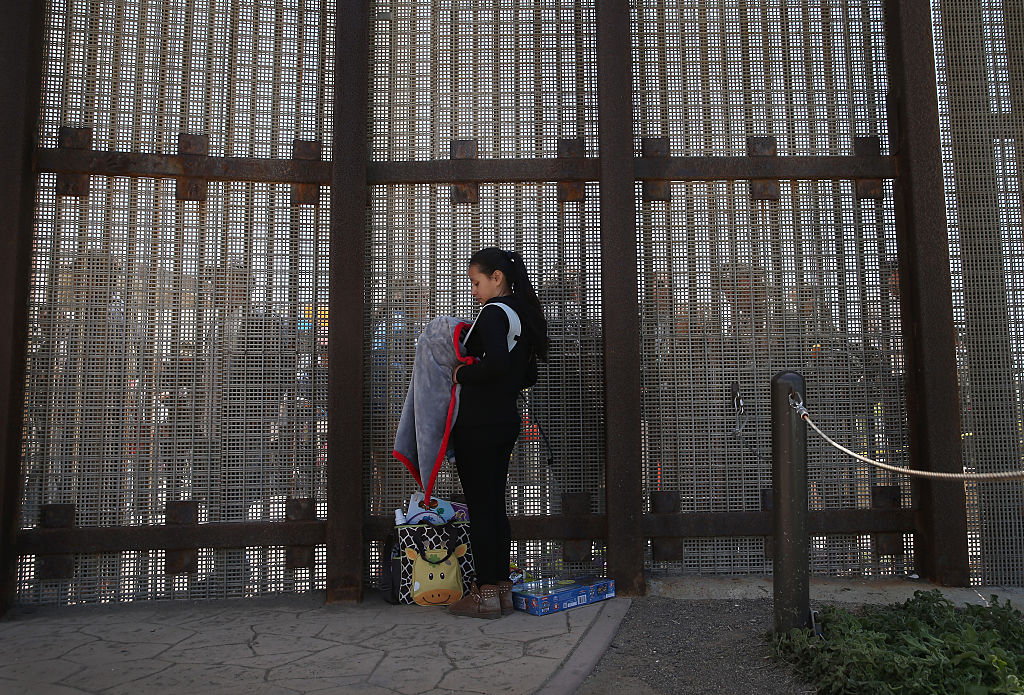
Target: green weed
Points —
{"points": [[924, 645]]}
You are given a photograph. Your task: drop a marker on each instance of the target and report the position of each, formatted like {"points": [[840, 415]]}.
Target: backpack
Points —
{"points": [[515, 326]]}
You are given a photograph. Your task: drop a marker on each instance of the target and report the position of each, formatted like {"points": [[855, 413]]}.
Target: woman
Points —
{"points": [[488, 422]]}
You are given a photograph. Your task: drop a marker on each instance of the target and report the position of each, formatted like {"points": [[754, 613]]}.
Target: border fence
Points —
{"points": [[229, 221]]}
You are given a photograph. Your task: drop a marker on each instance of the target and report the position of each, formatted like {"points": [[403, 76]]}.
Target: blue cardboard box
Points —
{"points": [[552, 595]]}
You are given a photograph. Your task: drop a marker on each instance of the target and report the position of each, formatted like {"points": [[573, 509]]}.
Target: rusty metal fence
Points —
{"points": [[177, 349], [224, 294], [739, 281], [512, 82]]}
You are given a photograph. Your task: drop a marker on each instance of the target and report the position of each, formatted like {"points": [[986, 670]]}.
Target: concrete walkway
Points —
{"points": [[296, 644]]}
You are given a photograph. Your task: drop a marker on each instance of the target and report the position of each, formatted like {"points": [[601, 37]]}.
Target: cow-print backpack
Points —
{"points": [[427, 565]]}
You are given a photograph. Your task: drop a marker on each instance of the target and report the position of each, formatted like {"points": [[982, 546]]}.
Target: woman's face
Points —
{"points": [[485, 286]]}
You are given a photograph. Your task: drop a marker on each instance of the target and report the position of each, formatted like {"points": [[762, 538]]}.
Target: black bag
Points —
{"points": [[391, 568], [427, 565]]}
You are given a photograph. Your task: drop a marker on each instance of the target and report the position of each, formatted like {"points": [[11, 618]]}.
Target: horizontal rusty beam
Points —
{"points": [[554, 527], [486, 170], [68, 161], [708, 524], [754, 167], [694, 524], [71, 161], [703, 524], [99, 539], [96, 539]]}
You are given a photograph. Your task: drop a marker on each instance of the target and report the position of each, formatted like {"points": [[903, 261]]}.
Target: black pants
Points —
{"points": [[481, 456]]}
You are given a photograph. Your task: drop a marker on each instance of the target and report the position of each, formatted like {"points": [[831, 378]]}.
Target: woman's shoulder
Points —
{"points": [[490, 320], [512, 309], [521, 316], [514, 302], [494, 311]]}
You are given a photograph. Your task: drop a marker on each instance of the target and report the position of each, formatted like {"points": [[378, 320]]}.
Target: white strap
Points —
{"points": [[515, 326]]}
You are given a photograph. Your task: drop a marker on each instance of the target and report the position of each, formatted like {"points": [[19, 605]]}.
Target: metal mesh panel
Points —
{"points": [[710, 73], [139, 575], [252, 75], [516, 75], [980, 63], [547, 558], [177, 349], [418, 250], [733, 291]]}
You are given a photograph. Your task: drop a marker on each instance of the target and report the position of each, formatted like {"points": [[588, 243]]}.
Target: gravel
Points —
{"points": [[671, 647]]}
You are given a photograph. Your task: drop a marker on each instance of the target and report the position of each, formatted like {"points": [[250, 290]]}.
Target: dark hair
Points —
{"points": [[511, 264]]}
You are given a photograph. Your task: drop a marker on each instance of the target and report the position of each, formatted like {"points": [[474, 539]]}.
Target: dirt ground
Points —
{"points": [[668, 646]]}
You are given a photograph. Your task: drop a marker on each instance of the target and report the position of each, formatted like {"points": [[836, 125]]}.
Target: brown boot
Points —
{"points": [[505, 597], [478, 603]]}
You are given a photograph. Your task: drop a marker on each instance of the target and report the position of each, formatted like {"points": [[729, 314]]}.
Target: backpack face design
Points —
{"points": [[430, 565], [436, 577]]}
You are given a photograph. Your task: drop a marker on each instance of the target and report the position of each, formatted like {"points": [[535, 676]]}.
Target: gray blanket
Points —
{"points": [[432, 402]]}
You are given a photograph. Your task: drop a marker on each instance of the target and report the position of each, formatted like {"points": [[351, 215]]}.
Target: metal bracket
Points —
{"points": [[655, 147], [50, 567], [739, 410], [305, 193], [887, 497], [181, 513], [577, 550], [869, 146], [191, 188], [464, 192], [763, 189], [570, 191], [666, 549], [70, 138], [299, 509]]}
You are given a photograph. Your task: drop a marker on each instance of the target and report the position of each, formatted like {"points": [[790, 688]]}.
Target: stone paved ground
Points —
{"points": [[281, 646], [693, 634]]}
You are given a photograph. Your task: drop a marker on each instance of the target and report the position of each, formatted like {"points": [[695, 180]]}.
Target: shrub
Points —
{"points": [[924, 645]]}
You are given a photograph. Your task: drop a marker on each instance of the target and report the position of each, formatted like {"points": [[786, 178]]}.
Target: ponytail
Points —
{"points": [[511, 264]]}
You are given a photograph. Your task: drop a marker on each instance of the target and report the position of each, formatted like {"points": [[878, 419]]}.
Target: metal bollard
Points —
{"points": [[790, 589]]}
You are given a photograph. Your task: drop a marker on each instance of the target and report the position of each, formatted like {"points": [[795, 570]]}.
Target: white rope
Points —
{"points": [[1001, 475]]}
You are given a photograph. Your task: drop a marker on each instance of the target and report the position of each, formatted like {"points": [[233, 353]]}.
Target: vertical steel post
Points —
{"points": [[623, 478], [21, 69], [345, 508], [926, 300], [790, 572]]}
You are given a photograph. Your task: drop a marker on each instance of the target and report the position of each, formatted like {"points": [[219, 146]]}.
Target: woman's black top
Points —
{"points": [[490, 387]]}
